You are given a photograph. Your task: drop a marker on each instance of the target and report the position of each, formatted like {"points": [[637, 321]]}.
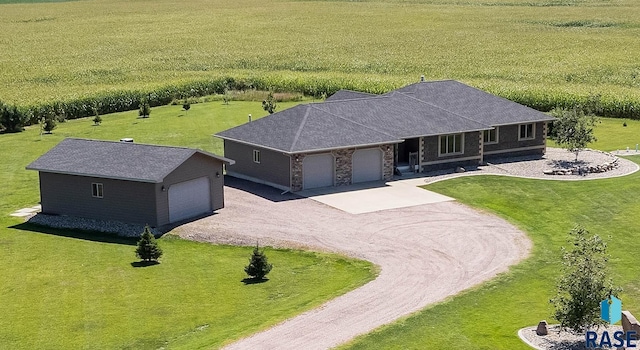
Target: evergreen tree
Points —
{"points": [[145, 109], [258, 265], [584, 282], [96, 119], [148, 249]]}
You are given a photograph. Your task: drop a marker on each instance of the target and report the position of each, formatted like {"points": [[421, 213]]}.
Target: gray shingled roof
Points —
{"points": [[348, 95], [115, 160], [353, 119], [468, 101], [402, 116], [306, 128]]}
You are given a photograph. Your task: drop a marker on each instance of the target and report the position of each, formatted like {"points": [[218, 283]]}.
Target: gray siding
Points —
{"points": [[508, 139], [274, 167], [195, 167], [127, 201], [471, 148]]}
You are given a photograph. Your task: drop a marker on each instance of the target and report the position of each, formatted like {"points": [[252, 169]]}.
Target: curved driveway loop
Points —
{"points": [[425, 253]]}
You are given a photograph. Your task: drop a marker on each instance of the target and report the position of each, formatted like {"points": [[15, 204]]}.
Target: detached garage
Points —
{"points": [[129, 182]]}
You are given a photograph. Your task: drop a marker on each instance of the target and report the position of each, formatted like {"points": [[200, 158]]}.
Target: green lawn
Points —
{"points": [[489, 316], [511, 47], [72, 290], [612, 135]]}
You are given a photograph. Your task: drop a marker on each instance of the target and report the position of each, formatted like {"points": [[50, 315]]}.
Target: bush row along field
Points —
{"points": [[542, 53]]}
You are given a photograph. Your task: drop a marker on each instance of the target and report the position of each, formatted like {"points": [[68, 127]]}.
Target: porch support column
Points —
{"points": [[481, 147], [420, 153]]}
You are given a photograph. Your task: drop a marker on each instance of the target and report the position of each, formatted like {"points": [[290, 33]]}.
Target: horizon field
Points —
{"points": [[65, 50]]}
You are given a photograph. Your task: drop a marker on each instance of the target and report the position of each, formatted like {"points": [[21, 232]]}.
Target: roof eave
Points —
{"points": [[448, 133], [251, 144], [347, 146], [311, 150], [550, 119], [155, 181]]}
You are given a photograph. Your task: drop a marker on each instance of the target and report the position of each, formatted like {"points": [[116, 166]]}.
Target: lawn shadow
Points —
{"points": [[267, 192], [144, 263], [94, 236], [247, 280]]}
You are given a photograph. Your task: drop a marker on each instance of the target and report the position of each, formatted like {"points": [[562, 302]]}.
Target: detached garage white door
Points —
{"points": [[367, 165], [317, 171], [188, 199]]}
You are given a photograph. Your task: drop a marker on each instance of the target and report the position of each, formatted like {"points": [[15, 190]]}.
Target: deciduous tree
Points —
{"points": [[573, 130], [270, 104], [584, 282]]}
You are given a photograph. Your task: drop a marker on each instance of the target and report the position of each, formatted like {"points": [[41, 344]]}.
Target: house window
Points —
{"points": [[96, 190], [451, 144], [491, 136], [256, 156], [527, 132]]}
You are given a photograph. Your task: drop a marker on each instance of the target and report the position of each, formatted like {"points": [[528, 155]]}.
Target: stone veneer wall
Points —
{"points": [[296, 172], [387, 162], [343, 166]]}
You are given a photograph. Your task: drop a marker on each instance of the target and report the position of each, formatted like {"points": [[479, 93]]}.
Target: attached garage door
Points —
{"points": [[317, 171], [367, 165], [188, 199]]}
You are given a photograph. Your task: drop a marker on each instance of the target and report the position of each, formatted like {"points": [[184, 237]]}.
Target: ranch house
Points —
{"points": [[356, 137]]}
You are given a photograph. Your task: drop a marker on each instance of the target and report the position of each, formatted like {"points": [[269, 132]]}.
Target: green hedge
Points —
{"points": [[126, 100]]}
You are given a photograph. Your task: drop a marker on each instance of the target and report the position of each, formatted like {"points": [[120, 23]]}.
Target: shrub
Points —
{"points": [[148, 249], [97, 120], [11, 118], [258, 266], [186, 106], [49, 124]]}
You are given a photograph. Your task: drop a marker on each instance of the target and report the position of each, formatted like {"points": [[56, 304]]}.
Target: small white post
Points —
{"points": [[249, 117]]}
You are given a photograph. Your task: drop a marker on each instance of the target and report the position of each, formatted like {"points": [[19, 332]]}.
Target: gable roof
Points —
{"points": [[115, 160], [342, 95], [353, 119]]}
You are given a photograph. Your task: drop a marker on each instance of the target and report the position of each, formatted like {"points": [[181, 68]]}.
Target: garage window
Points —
{"points": [[96, 190], [256, 156]]}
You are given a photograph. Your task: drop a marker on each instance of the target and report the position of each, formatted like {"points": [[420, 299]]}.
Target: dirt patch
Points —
{"points": [[426, 253]]}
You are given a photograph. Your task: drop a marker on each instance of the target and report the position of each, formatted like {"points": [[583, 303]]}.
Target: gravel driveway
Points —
{"points": [[425, 253]]}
